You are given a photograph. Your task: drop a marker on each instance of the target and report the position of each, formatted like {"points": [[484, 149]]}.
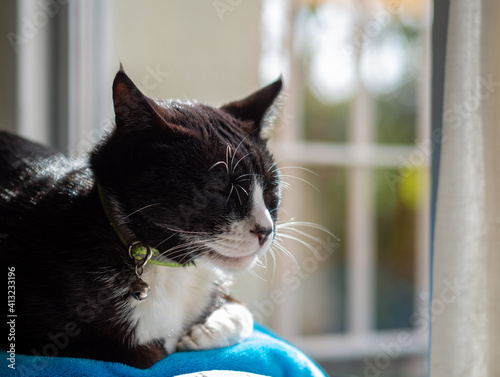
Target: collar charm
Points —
{"points": [[139, 288]]}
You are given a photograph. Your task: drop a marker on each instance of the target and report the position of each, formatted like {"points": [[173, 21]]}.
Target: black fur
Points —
{"points": [[161, 153]]}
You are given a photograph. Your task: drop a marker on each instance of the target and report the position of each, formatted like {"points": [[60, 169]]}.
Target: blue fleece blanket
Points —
{"points": [[263, 353]]}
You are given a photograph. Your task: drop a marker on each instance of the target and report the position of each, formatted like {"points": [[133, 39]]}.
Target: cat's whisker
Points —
{"points": [[259, 263], [233, 168], [300, 179], [254, 273], [246, 175], [181, 250], [292, 224], [244, 180], [318, 240], [241, 187], [200, 251], [228, 156], [299, 168], [238, 147], [176, 248], [220, 163], [223, 242], [185, 246], [281, 223], [285, 251], [197, 248], [185, 249], [287, 186], [247, 136], [141, 209], [184, 252], [271, 167], [227, 236], [165, 240], [304, 243], [205, 249], [186, 231], [230, 192], [275, 266], [265, 263], [275, 164], [239, 197]]}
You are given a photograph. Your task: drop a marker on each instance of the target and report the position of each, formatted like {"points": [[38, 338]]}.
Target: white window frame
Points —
{"points": [[85, 54], [89, 71]]}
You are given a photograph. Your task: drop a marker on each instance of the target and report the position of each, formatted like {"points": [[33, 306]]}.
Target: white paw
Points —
{"points": [[228, 325]]}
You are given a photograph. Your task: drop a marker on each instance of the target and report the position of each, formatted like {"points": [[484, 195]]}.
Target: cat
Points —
{"points": [[190, 186]]}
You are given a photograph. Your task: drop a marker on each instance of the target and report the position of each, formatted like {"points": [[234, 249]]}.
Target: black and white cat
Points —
{"points": [[193, 185]]}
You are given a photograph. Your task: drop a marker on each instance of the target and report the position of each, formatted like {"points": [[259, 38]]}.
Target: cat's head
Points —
{"points": [[191, 180]]}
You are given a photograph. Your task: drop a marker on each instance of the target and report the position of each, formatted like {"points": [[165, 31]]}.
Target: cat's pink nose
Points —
{"points": [[262, 234]]}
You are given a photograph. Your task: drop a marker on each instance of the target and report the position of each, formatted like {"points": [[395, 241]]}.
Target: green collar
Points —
{"points": [[138, 250]]}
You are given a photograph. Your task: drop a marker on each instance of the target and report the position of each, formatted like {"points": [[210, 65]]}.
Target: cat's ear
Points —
{"points": [[257, 109], [137, 115]]}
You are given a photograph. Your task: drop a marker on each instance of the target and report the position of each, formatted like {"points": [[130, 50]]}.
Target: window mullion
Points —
{"points": [[360, 235]]}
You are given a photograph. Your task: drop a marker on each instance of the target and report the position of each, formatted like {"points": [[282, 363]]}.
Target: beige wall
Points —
{"points": [[198, 52]]}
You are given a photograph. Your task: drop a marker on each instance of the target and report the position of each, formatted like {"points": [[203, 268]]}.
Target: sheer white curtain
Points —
{"points": [[465, 310]]}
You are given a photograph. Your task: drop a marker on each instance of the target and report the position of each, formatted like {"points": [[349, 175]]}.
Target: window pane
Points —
{"points": [[325, 122], [398, 49], [397, 202], [323, 275], [396, 121]]}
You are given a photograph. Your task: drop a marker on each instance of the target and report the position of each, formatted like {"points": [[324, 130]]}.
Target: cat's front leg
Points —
{"points": [[226, 326]]}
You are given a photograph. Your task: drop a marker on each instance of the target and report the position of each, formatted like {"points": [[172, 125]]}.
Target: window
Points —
{"points": [[352, 146]]}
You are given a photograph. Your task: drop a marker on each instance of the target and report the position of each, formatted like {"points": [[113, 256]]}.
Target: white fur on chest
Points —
{"points": [[179, 295]]}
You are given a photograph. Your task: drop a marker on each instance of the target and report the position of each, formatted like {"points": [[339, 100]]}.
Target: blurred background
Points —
{"points": [[352, 140]]}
